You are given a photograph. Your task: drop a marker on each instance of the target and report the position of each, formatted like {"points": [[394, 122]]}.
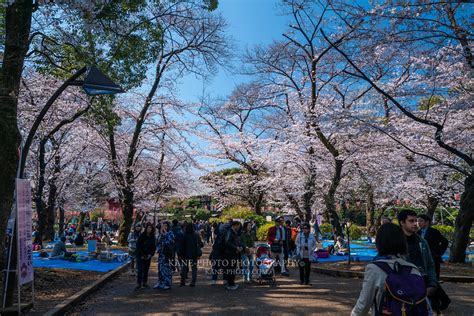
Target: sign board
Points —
{"points": [[25, 243], [268, 218]]}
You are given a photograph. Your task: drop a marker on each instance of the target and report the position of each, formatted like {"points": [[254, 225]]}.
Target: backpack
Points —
{"points": [[404, 293]]}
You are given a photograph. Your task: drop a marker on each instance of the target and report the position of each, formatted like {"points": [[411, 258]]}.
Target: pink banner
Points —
{"points": [[25, 243]]}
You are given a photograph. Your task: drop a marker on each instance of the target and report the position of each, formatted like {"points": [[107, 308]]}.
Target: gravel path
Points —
{"points": [[327, 296]]}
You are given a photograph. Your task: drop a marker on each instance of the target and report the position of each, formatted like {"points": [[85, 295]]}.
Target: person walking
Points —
{"points": [[132, 245], [418, 250], [437, 242], [305, 246], [165, 248], [277, 239], [247, 240], [144, 252], [232, 251], [391, 246], [188, 254], [177, 230]]}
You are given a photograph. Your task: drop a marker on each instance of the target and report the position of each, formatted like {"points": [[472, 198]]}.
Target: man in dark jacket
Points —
{"points": [[437, 243], [189, 252], [418, 250], [177, 230], [231, 254]]}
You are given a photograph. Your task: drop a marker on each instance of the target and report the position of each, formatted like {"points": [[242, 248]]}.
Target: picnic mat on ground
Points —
{"points": [[89, 265]]}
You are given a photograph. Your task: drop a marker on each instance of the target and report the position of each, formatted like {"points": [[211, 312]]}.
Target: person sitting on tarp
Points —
{"points": [[59, 250], [94, 236], [340, 248], [79, 240]]}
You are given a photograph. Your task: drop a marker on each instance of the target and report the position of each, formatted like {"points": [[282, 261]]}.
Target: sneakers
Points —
{"points": [[157, 286], [285, 274], [192, 285], [233, 287], [138, 287], [145, 286], [166, 287]]}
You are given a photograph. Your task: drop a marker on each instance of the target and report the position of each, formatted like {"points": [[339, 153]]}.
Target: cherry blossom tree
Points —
{"points": [[434, 55]]}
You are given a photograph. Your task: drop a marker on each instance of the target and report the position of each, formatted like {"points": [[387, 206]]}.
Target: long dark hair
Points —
{"points": [[391, 240], [152, 229], [189, 228]]}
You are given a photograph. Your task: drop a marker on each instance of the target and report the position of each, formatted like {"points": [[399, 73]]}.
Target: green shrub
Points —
{"points": [[445, 230], [355, 232], [326, 229], [258, 219], [262, 231], [236, 212], [202, 214], [94, 215]]}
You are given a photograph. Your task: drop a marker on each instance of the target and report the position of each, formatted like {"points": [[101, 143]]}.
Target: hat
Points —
{"points": [[279, 218]]}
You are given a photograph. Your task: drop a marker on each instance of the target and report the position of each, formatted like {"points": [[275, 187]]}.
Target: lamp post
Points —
{"points": [[348, 225], [95, 83]]}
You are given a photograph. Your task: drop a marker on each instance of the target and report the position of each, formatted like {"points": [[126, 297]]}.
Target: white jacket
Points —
{"points": [[373, 286], [300, 242]]}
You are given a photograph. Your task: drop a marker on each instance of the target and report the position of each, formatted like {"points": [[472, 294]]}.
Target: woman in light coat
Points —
{"points": [[391, 245], [305, 246]]}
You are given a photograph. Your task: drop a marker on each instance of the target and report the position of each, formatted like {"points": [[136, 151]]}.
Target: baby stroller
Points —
{"points": [[265, 264]]}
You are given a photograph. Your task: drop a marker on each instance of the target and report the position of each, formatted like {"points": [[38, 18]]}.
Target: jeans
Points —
{"points": [[185, 269], [247, 266], [281, 260], [143, 266], [305, 268]]}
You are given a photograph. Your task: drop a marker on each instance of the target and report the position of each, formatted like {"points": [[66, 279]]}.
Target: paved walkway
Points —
{"points": [[327, 296]]}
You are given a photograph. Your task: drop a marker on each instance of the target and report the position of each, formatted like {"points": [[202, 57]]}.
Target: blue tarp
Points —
{"points": [[89, 265], [361, 252]]}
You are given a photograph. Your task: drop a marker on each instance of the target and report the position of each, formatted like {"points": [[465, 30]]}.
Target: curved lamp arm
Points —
{"points": [[29, 139]]}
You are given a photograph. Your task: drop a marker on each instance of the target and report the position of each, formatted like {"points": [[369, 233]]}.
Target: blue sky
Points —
{"points": [[250, 22]]}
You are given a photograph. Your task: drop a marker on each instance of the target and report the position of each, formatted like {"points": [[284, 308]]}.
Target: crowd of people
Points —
{"points": [[179, 247], [410, 251]]}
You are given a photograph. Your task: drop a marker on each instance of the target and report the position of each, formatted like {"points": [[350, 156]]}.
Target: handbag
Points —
{"points": [[440, 300], [198, 245], [297, 256]]}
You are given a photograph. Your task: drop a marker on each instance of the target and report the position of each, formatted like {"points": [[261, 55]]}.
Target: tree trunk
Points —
{"points": [[330, 199], [39, 202], [370, 212], [80, 222], [127, 218], [61, 220], [309, 189], [53, 192], [259, 203], [294, 204], [463, 223], [17, 30], [431, 205]]}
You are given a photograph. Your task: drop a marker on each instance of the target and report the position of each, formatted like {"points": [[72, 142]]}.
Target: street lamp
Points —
{"points": [[95, 83], [348, 225]]}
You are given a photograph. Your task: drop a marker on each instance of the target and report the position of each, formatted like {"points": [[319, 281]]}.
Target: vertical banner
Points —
{"points": [[319, 218], [25, 243]]}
